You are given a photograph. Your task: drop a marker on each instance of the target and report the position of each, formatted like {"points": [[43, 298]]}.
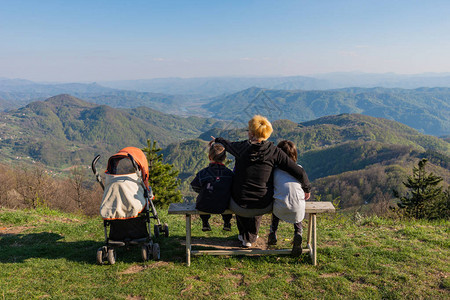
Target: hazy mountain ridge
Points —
{"points": [[215, 86], [425, 109], [17, 93]]}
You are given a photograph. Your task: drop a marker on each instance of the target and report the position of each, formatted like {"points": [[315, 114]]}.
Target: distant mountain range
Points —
{"points": [[425, 109], [215, 86], [16, 93]]}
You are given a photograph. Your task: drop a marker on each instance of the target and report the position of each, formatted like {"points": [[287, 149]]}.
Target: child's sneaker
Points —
{"points": [[297, 247], [227, 226], [272, 240], [206, 227], [246, 244]]}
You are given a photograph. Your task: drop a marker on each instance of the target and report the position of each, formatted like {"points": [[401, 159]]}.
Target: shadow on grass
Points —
{"points": [[18, 248]]}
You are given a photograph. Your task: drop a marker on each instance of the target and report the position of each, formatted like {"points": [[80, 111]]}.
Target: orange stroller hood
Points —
{"points": [[138, 156]]}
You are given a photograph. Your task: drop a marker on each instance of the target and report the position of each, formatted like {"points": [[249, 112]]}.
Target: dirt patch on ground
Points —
{"points": [[13, 230], [330, 243], [134, 269], [329, 275], [131, 297], [226, 244], [138, 268]]}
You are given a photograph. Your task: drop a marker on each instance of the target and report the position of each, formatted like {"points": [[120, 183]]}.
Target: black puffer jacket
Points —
{"points": [[253, 173], [214, 187]]}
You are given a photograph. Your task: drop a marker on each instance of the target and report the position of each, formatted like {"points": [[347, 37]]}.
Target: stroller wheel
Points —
{"points": [[111, 256], [166, 230], [156, 230], [101, 255], [156, 252], [145, 251]]}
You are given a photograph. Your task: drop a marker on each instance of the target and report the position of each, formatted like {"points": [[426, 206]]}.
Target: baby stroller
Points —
{"points": [[127, 206]]}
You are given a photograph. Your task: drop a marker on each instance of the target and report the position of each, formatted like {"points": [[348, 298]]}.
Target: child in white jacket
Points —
{"points": [[289, 201]]}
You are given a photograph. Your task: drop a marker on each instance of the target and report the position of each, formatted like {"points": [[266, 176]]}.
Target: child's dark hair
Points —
{"points": [[289, 148], [217, 153]]}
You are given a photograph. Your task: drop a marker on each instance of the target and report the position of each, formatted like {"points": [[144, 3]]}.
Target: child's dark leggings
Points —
{"points": [[226, 218], [298, 227]]}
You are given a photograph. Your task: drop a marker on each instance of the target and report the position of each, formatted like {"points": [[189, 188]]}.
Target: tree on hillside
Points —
{"points": [[34, 185], [425, 193], [77, 180], [162, 178]]}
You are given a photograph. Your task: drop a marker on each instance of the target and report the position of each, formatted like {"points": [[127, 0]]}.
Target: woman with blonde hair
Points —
{"points": [[252, 188]]}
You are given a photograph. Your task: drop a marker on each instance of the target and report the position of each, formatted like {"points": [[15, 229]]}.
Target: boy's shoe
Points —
{"points": [[227, 226], [206, 227], [272, 240], [246, 244], [297, 247]]}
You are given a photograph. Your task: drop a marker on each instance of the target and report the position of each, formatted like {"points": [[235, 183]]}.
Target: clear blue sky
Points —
{"points": [[113, 40]]}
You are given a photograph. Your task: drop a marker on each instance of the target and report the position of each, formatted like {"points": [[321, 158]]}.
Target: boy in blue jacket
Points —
{"points": [[213, 184]]}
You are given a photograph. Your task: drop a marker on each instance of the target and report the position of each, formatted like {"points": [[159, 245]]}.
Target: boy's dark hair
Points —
{"points": [[289, 148], [217, 153]]}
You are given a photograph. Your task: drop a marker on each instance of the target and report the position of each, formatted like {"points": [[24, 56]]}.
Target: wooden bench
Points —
{"points": [[312, 208]]}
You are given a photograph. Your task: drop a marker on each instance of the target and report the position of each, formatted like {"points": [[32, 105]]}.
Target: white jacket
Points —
{"points": [[289, 197]]}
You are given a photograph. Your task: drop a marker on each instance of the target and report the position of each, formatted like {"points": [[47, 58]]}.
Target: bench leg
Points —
{"points": [[314, 239], [188, 240], [308, 237], [311, 242]]}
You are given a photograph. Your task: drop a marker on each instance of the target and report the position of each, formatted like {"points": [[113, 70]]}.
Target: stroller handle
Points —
{"points": [[135, 166], [94, 169]]}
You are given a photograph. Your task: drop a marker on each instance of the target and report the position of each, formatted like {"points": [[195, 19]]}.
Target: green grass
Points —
{"points": [[44, 253]]}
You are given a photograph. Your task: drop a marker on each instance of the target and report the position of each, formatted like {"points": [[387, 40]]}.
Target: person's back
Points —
{"points": [[289, 200], [213, 184], [289, 197]]}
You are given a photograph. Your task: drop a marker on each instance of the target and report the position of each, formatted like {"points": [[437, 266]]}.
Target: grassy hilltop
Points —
{"points": [[48, 254]]}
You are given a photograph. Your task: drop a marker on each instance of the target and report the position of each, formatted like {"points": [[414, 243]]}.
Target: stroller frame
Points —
{"points": [[148, 247]]}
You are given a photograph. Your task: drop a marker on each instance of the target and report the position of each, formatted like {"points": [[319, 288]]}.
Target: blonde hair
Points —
{"points": [[217, 153], [260, 127]]}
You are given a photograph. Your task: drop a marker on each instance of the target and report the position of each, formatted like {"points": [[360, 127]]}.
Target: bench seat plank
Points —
{"points": [[312, 207]]}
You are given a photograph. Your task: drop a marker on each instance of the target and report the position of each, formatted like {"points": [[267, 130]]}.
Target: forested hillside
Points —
{"points": [[64, 130], [351, 158], [424, 109]]}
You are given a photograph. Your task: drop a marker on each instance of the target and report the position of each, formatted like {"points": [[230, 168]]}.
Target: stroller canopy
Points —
{"points": [[138, 156]]}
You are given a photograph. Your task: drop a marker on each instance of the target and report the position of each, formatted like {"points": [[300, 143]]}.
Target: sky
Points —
{"points": [[87, 41]]}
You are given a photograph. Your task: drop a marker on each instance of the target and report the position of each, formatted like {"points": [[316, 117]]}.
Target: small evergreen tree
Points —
{"points": [[441, 207], [162, 178], [424, 192]]}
